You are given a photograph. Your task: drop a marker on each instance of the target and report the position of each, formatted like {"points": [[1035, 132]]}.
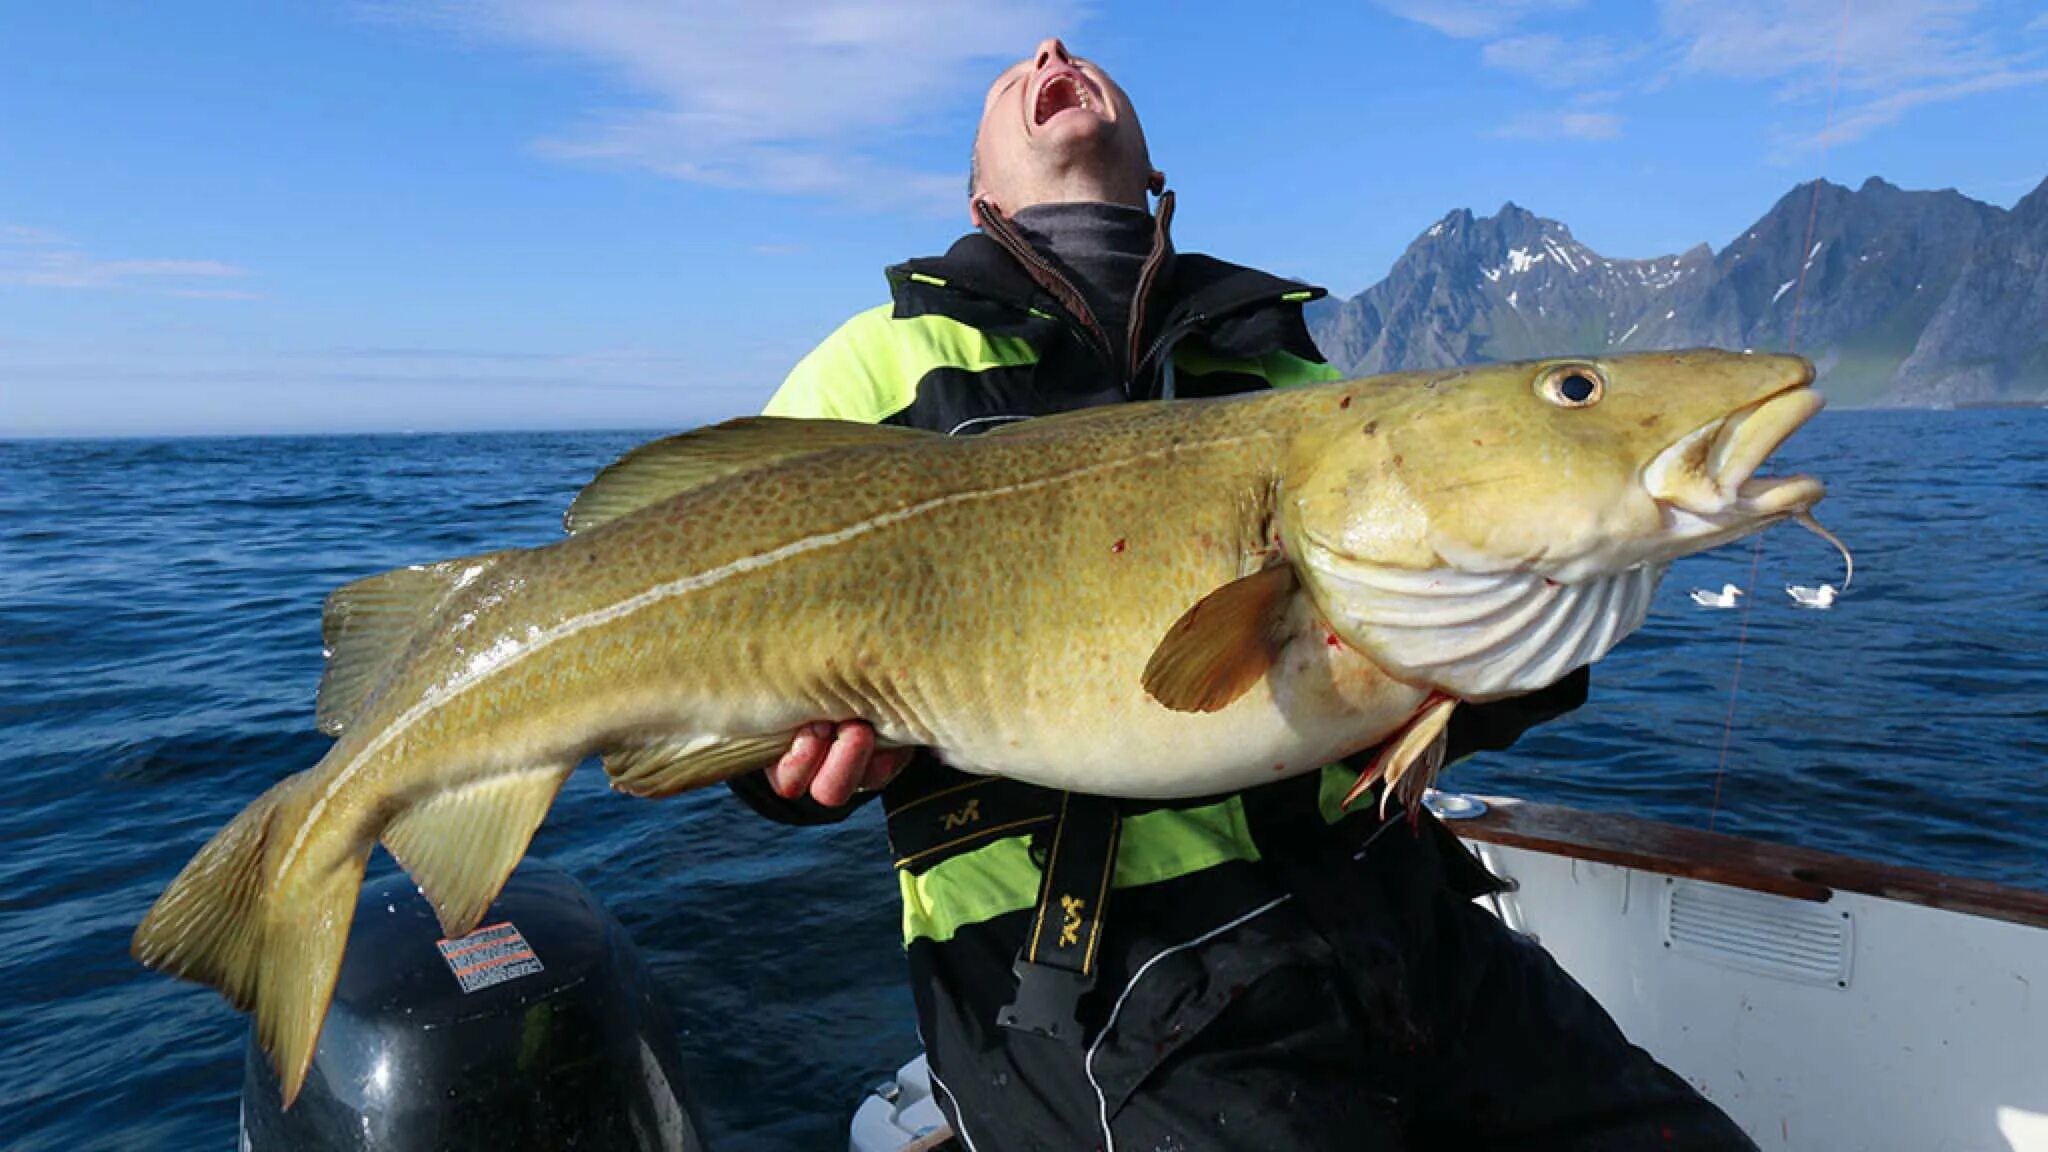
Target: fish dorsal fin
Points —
{"points": [[667, 765], [656, 471], [1221, 647], [459, 845], [367, 626]]}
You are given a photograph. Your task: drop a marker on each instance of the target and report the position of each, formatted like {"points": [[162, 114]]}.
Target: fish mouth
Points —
{"points": [[1711, 472], [1061, 90]]}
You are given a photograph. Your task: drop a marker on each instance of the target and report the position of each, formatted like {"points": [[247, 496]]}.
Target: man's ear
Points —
{"points": [[1156, 182], [974, 211]]}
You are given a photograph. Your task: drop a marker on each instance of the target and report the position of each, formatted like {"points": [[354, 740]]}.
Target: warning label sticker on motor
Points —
{"points": [[490, 955]]}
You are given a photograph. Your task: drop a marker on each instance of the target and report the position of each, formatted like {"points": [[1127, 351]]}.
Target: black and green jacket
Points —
{"points": [[978, 338], [971, 340]]}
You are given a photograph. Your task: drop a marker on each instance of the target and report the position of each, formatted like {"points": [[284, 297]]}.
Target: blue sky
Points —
{"points": [[254, 217]]}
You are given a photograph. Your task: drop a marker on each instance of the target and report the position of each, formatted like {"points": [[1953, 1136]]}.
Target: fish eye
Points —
{"points": [[1572, 386]]}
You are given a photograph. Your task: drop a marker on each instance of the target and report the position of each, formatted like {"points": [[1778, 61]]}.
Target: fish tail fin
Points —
{"points": [[272, 944]]}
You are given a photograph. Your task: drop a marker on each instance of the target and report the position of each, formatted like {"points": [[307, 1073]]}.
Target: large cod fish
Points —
{"points": [[1149, 600]]}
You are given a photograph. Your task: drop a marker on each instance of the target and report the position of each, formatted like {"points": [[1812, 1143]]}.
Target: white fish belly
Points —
{"points": [[1321, 701]]}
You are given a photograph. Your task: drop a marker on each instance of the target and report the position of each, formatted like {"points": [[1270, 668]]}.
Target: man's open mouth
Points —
{"points": [[1059, 92]]}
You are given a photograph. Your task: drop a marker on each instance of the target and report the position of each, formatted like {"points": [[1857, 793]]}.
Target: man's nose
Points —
{"points": [[1050, 50]]}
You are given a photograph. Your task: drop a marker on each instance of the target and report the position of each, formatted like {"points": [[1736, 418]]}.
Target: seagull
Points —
{"points": [[1821, 597], [1725, 598]]}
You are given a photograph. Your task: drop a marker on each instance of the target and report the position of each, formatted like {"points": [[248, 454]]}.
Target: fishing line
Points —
{"points": [[1756, 547]]}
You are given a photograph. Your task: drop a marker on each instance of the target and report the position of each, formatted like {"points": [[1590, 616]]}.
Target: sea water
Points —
{"points": [[160, 643]]}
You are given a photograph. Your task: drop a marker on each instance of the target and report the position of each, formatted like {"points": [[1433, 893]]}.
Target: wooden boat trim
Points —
{"points": [[1739, 862]]}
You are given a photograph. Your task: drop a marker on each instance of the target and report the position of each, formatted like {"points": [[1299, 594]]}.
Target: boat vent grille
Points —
{"points": [[1758, 932]]}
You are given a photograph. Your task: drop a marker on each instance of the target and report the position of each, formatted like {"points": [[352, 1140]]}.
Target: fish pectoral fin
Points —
{"points": [[672, 764], [1410, 760], [459, 845], [368, 625], [669, 467], [1221, 647]]}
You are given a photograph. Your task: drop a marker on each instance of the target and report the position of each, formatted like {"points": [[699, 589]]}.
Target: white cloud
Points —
{"points": [[1555, 62], [806, 97], [1473, 19], [1877, 43], [33, 257], [16, 235], [213, 293], [1562, 124], [1883, 57], [1880, 58], [1871, 115]]}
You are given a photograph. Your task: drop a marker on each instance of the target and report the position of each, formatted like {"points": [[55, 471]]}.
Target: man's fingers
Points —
{"points": [[846, 762], [883, 767], [791, 775], [833, 761]]}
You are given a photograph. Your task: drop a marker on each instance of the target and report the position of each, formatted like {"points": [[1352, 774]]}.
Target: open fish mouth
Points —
{"points": [[1711, 472]]}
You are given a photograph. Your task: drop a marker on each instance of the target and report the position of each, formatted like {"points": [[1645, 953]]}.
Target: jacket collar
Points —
{"points": [[1196, 286]]}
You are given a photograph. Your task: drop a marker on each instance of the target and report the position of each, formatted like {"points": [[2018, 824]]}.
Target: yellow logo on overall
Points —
{"points": [[968, 814]]}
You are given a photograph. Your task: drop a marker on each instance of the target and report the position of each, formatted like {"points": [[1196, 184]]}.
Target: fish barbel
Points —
{"points": [[1149, 600]]}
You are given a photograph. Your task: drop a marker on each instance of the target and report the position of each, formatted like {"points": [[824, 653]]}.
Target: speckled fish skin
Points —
{"points": [[997, 600]]}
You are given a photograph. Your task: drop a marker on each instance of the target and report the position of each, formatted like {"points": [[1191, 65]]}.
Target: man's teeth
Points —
{"points": [[1059, 94]]}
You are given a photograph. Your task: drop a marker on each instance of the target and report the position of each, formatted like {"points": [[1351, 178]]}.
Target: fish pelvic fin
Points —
{"points": [[272, 945], [664, 767], [1224, 644], [1409, 762], [368, 625], [460, 845]]}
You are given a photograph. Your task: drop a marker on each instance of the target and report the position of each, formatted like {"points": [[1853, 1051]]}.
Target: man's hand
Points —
{"points": [[832, 761]]}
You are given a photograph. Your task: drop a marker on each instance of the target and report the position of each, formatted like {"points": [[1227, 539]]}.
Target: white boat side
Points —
{"points": [[1828, 1004]]}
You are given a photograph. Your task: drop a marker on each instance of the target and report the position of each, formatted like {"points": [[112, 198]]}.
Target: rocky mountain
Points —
{"points": [[1910, 297], [1989, 338]]}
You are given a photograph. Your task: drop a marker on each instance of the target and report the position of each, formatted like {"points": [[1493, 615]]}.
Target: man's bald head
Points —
{"points": [[1056, 128]]}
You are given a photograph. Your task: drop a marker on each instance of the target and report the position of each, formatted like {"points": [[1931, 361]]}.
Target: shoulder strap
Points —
{"points": [[1058, 963]]}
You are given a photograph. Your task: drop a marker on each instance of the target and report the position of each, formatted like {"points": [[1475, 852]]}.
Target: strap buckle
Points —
{"points": [[1048, 1001]]}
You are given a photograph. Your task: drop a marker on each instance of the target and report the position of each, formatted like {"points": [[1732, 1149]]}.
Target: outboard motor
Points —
{"points": [[540, 1030]]}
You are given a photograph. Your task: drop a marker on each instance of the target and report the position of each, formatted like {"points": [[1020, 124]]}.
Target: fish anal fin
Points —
{"points": [[665, 766], [1409, 761], [1223, 645], [368, 625], [664, 468], [459, 845]]}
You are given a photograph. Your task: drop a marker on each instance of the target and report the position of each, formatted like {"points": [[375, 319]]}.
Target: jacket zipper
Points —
{"points": [[1057, 286], [1155, 260]]}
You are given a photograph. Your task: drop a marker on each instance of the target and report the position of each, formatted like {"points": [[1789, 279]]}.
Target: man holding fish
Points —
{"points": [[1263, 969], [1141, 905]]}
